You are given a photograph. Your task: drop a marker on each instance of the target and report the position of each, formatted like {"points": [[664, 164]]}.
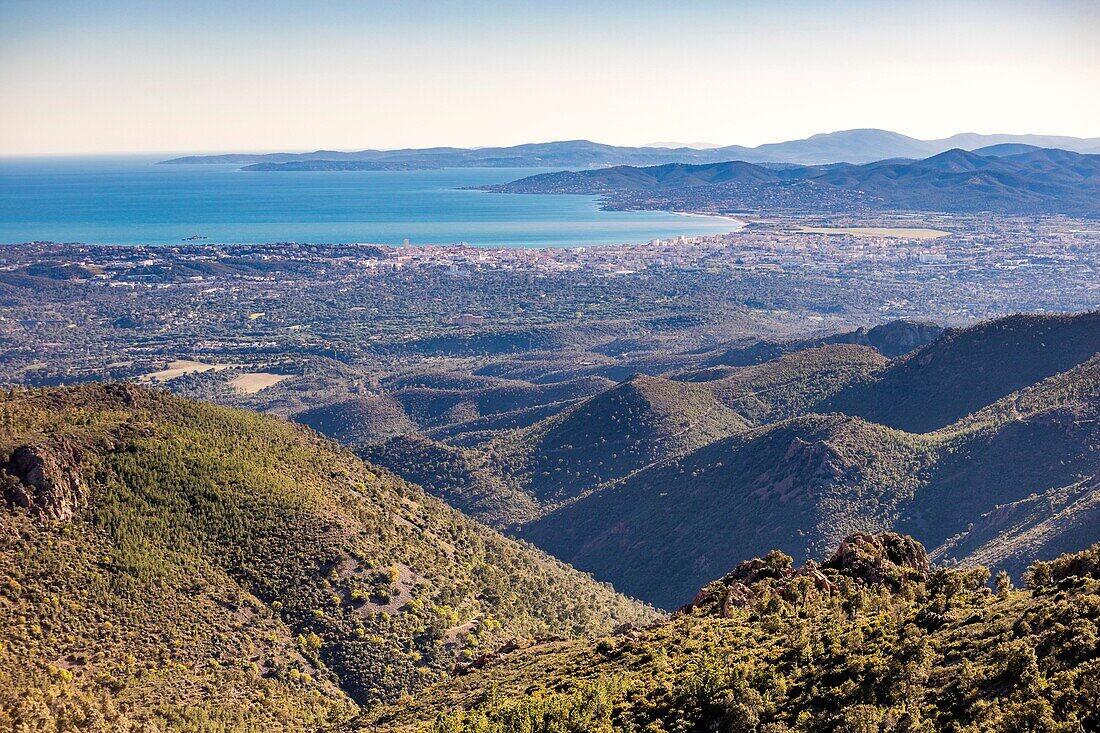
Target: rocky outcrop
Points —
{"points": [[897, 338], [888, 558], [45, 479], [885, 559]]}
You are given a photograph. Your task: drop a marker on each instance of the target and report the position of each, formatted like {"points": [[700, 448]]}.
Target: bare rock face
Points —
{"points": [[45, 479], [899, 337], [739, 589]]}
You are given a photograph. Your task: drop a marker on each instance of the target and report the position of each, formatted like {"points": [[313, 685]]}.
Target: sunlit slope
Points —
{"points": [[190, 566], [870, 640]]}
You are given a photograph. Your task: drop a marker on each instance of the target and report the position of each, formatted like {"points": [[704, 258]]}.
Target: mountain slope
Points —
{"points": [[797, 485], [967, 369], [1012, 534], [1019, 478], [1016, 474], [639, 421], [869, 640], [463, 477], [183, 565]]}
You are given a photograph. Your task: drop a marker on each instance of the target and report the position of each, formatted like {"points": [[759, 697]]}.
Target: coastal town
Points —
{"points": [[1058, 244], [74, 310]]}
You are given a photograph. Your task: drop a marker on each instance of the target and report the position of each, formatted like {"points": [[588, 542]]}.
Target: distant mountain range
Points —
{"points": [[670, 144], [850, 146], [1008, 178]]}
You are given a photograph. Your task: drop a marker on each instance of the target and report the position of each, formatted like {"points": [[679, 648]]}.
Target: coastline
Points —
{"points": [[699, 214], [167, 204]]}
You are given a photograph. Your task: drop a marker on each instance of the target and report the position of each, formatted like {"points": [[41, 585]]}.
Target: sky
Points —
{"points": [[116, 76]]}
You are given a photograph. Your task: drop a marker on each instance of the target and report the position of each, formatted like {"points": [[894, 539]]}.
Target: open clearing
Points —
{"points": [[878, 232], [179, 367], [252, 382]]}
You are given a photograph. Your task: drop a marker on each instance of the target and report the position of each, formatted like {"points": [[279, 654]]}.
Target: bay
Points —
{"points": [[132, 200]]}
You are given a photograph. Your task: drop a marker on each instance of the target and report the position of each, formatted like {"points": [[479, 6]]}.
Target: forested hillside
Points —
{"points": [[171, 564], [1012, 482], [873, 639]]}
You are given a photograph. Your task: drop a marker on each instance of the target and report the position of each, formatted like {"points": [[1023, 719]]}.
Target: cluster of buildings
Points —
{"points": [[957, 243], [967, 243]]}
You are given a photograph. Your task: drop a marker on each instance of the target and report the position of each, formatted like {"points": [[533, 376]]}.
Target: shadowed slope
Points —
{"points": [[966, 369], [797, 485]]}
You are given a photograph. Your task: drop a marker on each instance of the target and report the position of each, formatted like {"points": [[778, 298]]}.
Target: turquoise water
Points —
{"points": [[132, 200]]}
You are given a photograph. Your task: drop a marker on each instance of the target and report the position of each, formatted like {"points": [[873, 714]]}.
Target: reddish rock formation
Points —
{"points": [[885, 559], [888, 558], [45, 479]]}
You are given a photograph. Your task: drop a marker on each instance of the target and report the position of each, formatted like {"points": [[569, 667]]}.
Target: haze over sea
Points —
{"points": [[131, 200]]}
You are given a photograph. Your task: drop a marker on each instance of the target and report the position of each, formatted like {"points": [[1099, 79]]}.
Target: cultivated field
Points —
{"points": [[179, 367], [252, 382]]}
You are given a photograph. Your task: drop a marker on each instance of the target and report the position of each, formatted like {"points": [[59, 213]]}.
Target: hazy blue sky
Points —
{"points": [[137, 75]]}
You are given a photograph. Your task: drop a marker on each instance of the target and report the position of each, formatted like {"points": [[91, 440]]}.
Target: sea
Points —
{"points": [[133, 200]]}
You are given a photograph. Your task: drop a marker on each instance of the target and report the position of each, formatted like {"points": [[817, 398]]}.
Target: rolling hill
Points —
{"points": [[791, 384], [170, 564], [360, 420], [621, 430], [440, 400], [1042, 181], [985, 473]]}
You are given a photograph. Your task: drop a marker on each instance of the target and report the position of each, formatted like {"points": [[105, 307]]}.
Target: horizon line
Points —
{"points": [[349, 149]]}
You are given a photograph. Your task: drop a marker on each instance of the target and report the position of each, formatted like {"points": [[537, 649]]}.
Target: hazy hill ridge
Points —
{"points": [[852, 146], [1032, 182]]}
